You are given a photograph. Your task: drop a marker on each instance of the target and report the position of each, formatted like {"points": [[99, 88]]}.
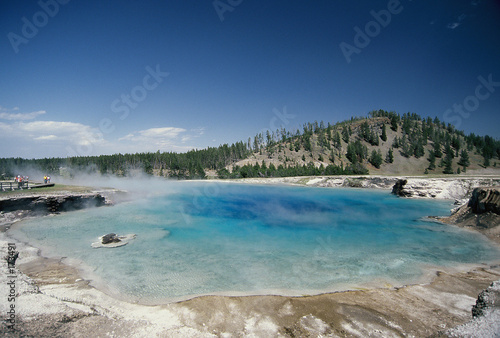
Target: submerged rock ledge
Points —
{"points": [[16, 208], [52, 203]]}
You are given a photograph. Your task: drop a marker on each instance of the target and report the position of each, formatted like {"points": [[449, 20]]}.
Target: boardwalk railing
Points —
{"points": [[4, 186]]}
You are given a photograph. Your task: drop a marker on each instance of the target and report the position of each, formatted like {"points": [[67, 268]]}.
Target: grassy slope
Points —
{"points": [[401, 165]]}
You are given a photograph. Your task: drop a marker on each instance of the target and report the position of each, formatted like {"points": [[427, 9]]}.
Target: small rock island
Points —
{"points": [[112, 240]]}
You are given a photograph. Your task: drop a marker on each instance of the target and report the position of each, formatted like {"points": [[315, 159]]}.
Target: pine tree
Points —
{"points": [[406, 149], [448, 151], [432, 160], [256, 144], [383, 137], [345, 134], [376, 159], [394, 123], [307, 142], [390, 156], [437, 149], [419, 150], [486, 162], [351, 153], [364, 131], [448, 169], [332, 157], [374, 138], [396, 142], [336, 141], [464, 159]]}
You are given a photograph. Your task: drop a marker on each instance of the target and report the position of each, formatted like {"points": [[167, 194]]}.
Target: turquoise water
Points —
{"points": [[210, 238]]}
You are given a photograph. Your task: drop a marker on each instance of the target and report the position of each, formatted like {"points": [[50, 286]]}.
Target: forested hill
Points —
{"points": [[382, 143]]}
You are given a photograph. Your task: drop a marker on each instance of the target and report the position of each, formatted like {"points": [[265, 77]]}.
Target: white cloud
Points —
{"points": [[154, 134], [19, 137], [200, 131], [46, 137], [50, 137], [166, 138], [196, 132], [76, 133], [20, 116], [460, 19], [163, 133]]}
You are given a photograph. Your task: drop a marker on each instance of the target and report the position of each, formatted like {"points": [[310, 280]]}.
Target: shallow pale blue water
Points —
{"points": [[206, 238]]}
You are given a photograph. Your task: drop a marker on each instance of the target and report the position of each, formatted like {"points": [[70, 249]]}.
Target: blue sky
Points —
{"points": [[102, 77]]}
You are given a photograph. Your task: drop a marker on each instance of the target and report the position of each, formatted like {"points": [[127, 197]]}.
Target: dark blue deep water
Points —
{"points": [[209, 238]]}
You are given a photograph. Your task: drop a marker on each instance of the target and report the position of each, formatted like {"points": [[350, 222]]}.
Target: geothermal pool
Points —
{"points": [[214, 238]]}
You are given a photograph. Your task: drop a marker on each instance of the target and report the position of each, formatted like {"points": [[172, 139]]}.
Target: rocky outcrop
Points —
{"points": [[457, 188], [442, 188], [113, 241], [16, 208], [398, 188], [485, 200], [110, 238], [485, 313], [52, 203], [481, 212], [488, 299]]}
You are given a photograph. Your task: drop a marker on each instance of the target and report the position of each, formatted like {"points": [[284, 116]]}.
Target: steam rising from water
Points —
{"points": [[203, 238]]}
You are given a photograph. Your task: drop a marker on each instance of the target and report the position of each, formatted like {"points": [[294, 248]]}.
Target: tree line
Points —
{"points": [[335, 144]]}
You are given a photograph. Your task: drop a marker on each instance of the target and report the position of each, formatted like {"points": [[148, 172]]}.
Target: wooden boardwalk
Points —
{"points": [[11, 186]]}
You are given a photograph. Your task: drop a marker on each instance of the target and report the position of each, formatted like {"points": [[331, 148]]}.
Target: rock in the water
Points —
{"points": [[113, 241], [398, 188], [110, 238]]}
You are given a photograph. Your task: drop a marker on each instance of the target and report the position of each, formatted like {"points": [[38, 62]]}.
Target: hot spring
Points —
{"points": [[234, 239]]}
